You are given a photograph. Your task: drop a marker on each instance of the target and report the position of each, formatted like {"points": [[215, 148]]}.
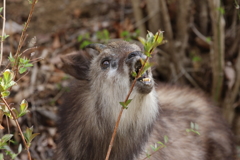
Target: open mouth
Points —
{"points": [[145, 78]]}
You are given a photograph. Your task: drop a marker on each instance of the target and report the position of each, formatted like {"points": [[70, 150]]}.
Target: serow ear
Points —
{"points": [[76, 64]]}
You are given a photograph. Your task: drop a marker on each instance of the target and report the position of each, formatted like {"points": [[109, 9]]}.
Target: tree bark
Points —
{"points": [[155, 17], [138, 17], [217, 48]]}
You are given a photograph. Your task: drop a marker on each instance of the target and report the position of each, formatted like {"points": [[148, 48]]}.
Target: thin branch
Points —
{"points": [[121, 111], [188, 76], [22, 76], [29, 51], [153, 153], [19, 128], [200, 35], [167, 144], [23, 36], [3, 30]]}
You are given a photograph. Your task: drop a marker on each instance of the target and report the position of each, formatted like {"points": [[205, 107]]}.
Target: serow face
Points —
{"points": [[113, 66]]}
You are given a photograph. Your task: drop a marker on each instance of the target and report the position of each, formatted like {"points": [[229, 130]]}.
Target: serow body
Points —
{"points": [[90, 110]]}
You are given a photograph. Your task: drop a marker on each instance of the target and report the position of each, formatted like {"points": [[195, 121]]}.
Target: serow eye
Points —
{"points": [[105, 64]]}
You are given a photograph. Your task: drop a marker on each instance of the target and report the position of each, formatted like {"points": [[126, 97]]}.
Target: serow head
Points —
{"points": [[115, 65]]}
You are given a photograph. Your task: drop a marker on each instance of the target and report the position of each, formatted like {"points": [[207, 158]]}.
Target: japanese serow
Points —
{"points": [[91, 108]]}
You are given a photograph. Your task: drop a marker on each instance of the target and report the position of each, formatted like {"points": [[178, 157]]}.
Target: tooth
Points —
{"points": [[146, 79]]}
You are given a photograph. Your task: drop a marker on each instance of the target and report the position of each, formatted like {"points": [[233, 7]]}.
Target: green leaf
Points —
{"points": [[8, 76], [33, 136], [19, 148], [106, 34], [28, 65], [30, 1], [11, 58], [208, 39], [134, 74], [1, 156], [1, 88], [5, 139], [79, 39], [158, 38], [15, 112], [196, 126], [123, 105], [153, 147], [85, 43], [29, 136], [151, 42], [1, 8], [165, 139], [146, 67], [160, 143], [5, 36], [128, 101], [21, 70], [124, 34], [10, 84], [24, 105], [8, 114], [142, 40], [221, 10], [148, 155], [23, 108], [23, 60], [5, 94], [7, 80], [197, 59], [192, 125]]}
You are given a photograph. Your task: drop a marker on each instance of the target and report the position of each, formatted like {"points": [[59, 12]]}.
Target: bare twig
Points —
{"points": [[22, 76], [200, 35], [28, 51], [3, 30], [188, 76], [19, 128]]}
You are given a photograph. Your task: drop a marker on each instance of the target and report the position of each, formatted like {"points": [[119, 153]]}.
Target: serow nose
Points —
{"points": [[134, 54]]}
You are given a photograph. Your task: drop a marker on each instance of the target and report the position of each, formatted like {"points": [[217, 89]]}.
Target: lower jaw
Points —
{"points": [[143, 88]]}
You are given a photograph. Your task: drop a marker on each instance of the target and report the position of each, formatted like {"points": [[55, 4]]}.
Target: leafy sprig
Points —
{"points": [[23, 63]]}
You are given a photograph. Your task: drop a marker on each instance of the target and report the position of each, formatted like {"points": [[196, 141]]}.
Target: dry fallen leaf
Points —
{"points": [[1, 127]]}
